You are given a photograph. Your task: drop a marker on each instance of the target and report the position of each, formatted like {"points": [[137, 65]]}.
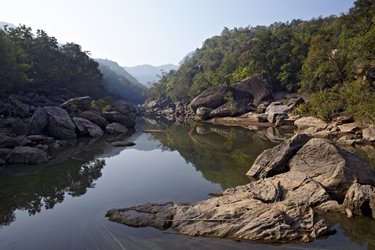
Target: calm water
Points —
{"points": [[62, 205]]}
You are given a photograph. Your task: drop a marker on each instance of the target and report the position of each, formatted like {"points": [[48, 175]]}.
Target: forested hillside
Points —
{"points": [[27, 58], [117, 81], [332, 58]]}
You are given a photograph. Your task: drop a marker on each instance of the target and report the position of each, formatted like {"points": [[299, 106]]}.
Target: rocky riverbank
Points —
{"points": [[294, 182], [42, 120]]}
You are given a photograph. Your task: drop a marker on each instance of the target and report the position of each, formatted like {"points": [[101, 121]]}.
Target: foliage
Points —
{"points": [[323, 57], [103, 104], [27, 58]]}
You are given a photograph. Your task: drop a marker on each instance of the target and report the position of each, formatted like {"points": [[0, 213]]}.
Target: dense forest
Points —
{"points": [[332, 58], [28, 59]]}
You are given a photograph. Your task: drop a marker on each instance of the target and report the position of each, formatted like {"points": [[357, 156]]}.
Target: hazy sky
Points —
{"points": [[154, 32]]}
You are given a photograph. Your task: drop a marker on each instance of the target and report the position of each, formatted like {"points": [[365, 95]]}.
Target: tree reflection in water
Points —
{"points": [[46, 187], [72, 171]]}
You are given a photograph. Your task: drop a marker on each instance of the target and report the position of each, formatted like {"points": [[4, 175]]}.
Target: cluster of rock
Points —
{"points": [[253, 99], [164, 108], [296, 180], [33, 123]]}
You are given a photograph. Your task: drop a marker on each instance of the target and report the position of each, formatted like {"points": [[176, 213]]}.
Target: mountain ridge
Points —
{"points": [[148, 73]]}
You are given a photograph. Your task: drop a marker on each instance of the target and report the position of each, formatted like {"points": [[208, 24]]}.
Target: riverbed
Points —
{"points": [[63, 205]]}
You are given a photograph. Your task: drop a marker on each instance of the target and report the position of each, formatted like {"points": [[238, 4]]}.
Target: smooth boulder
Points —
{"points": [[116, 128], [27, 155], [275, 160], [78, 103], [87, 128], [217, 96], [94, 117], [60, 125], [260, 86], [336, 169], [115, 116], [357, 199]]}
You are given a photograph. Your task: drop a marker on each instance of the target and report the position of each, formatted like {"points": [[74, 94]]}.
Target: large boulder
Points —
{"points": [[308, 122], [235, 216], [20, 127], [8, 142], [27, 155], [260, 86], [115, 116], [217, 96], [275, 160], [87, 128], [60, 125], [369, 133], [233, 108], [336, 169], [357, 199], [116, 128], [19, 108], [38, 122], [80, 103], [94, 117]]}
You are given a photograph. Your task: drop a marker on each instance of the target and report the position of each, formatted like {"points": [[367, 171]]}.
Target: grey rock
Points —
{"points": [[260, 86], [82, 103], [38, 122], [274, 161], [308, 122], [115, 116], [94, 117], [357, 199], [27, 155], [217, 96], [87, 128], [60, 125], [369, 133], [334, 168], [8, 142], [116, 128], [20, 127]]}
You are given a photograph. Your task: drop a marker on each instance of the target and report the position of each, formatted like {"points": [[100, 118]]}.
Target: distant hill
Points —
{"points": [[118, 69], [118, 81], [148, 73]]}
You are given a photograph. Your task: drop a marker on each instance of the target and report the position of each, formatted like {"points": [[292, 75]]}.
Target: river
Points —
{"points": [[62, 205]]}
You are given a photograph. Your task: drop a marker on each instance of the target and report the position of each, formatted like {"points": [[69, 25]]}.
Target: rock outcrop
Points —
{"points": [[298, 175], [260, 86], [218, 96]]}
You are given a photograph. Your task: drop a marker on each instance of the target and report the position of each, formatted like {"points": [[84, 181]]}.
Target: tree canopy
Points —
{"points": [[319, 55], [27, 58]]}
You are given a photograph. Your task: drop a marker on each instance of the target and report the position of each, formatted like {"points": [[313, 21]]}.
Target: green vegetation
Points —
{"points": [[332, 58], [27, 58]]}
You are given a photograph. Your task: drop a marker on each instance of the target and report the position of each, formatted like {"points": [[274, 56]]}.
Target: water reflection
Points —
{"points": [[73, 169], [223, 154]]}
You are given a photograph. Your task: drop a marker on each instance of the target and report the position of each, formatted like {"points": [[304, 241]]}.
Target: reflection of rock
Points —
{"points": [[27, 155]]}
